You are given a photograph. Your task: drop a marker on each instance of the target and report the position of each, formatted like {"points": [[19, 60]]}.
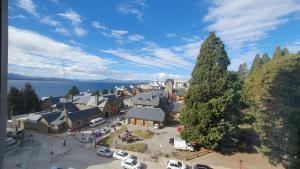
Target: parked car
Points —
{"points": [[181, 144], [85, 139], [9, 141], [171, 140], [105, 152], [122, 155], [130, 163], [121, 118], [156, 126], [56, 167], [175, 164], [117, 123], [201, 166]]}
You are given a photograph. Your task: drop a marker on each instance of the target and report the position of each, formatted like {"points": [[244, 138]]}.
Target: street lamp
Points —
{"points": [[241, 161]]}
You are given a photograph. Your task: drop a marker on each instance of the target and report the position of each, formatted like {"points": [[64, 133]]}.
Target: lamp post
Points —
{"points": [[241, 161]]}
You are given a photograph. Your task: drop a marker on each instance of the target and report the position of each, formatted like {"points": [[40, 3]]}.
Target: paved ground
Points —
{"points": [[36, 154]]}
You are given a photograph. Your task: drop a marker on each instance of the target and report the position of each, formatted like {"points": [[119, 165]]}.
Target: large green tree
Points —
{"points": [[15, 102], [265, 58], [210, 115], [22, 102], [73, 91], [104, 91], [277, 53], [273, 94], [243, 70], [31, 99], [257, 63]]}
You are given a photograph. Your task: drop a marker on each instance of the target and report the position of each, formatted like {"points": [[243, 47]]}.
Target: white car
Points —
{"points": [[10, 141], [156, 126], [122, 155], [130, 163], [85, 139], [175, 164]]}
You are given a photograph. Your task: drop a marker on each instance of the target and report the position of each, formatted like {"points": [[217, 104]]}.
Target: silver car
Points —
{"points": [[10, 141], [85, 139], [105, 152]]}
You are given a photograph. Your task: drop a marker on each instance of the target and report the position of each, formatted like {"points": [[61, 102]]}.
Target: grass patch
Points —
{"points": [[145, 134], [107, 141], [138, 147]]}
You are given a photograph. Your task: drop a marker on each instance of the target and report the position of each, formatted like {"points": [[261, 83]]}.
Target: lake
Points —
{"points": [[60, 88]]}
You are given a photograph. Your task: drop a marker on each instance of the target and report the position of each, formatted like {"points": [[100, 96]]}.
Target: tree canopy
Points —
{"points": [[104, 91], [24, 101], [277, 53], [210, 115], [273, 94], [73, 91]]}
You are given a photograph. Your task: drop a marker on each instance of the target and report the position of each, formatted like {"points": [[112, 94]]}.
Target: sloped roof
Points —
{"points": [[180, 92], [159, 93], [60, 119], [146, 99], [112, 98], [68, 105], [81, 99], [78, 115], [34, 117], [177, 107], [51, 116], [147, 113]]}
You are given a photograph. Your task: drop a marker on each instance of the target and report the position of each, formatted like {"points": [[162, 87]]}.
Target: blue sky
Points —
{"points": [[142, 39]]}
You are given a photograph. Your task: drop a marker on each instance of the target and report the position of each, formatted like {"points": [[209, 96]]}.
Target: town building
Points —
{"points": [[146, 116]]}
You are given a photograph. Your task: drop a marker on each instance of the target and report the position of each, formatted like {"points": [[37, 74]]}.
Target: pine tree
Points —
{"points": [[210, 116], [277, 53], [15, 103], [243, 70], [265, 58], [73, 91], [257, 63], [31, 100], [96, 93], [104, 91], [285, 52], [273, 95]]}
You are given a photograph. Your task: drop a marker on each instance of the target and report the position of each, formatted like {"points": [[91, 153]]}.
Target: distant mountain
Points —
{"points": [[14, 76]]}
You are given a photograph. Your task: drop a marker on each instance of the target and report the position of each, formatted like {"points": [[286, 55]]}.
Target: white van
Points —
{"points": [[96, 122]]}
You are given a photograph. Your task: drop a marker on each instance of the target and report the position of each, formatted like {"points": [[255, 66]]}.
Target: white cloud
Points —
{"points": [[62, 31], [170, 35], [135, 7], [71, 15], [79, 31], [294, 47], [17, 17], [98, 25], [239, 22], [31, 53], [75, 19], [190, 49], [117, 34], [49, 21], [135, 38], [152, 55], [28, 6]]}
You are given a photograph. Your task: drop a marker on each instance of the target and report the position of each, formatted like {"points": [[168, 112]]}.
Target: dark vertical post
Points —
{"points": [[3, 86]]}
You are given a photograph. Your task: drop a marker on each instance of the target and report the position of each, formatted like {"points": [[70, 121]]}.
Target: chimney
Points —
{"points": [[96, 100], [66, 115]]}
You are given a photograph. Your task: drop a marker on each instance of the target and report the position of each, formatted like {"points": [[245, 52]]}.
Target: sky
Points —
{"points": [[142, 39]]}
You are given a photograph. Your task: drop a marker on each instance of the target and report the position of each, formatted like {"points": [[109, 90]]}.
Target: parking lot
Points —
{"points": [[37, 154]]}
